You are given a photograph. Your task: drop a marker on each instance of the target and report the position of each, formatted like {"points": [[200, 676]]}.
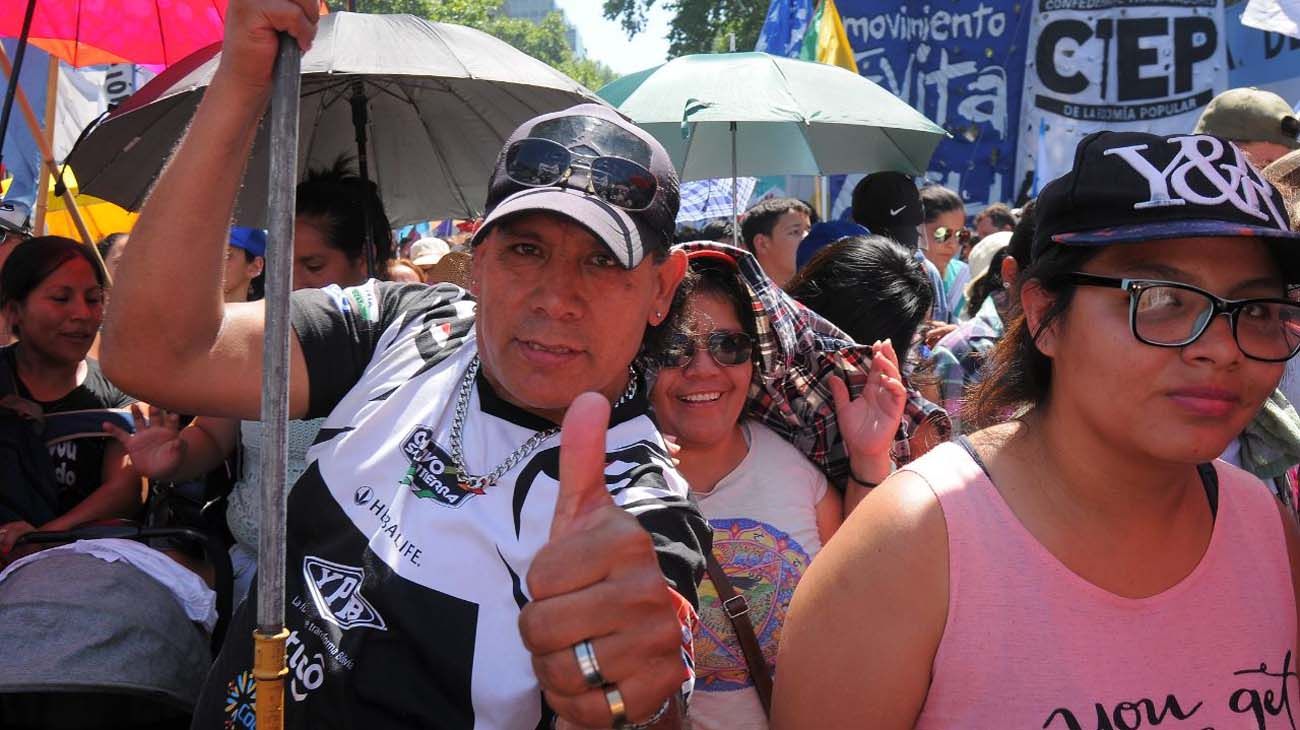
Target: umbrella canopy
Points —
{"points": [[792, 117], [89, 32], [100, 216], [441, 99]]}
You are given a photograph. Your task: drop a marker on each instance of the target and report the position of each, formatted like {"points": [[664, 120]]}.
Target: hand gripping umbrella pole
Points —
{"points": [[270, 637]]}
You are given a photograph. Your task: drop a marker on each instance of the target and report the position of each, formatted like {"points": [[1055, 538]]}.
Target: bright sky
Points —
{"points": [[606, 41]]}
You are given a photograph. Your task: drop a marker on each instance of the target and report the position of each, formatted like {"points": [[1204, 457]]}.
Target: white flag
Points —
{"points": [[1278, 16]]}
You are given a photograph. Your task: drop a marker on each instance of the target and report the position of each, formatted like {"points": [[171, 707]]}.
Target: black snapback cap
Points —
{"points": [[1127, 187]]}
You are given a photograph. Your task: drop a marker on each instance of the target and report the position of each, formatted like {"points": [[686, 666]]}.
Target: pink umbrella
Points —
{"points": [[89, 32]]}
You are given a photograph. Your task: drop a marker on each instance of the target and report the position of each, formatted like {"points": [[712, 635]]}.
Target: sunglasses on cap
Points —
{"points": [[615, 162], [726, 348], [943, 233]]}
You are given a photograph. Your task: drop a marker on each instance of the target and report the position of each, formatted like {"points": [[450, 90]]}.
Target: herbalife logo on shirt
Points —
{"points": [[431, 474], [336, 591]]}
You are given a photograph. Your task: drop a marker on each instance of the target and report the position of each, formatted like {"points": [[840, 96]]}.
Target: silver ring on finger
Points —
{"points": [[585, 653], [617, 709]]}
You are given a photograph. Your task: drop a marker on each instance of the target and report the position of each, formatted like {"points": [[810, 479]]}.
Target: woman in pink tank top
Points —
{"points": [[1086, 565]]}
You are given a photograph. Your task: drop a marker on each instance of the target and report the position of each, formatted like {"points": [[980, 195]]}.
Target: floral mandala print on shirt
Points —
{"points": [[241, 697], [765, 565]]}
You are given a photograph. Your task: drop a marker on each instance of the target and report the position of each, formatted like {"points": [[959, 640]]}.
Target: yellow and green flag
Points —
{"points": [[825, 40]]}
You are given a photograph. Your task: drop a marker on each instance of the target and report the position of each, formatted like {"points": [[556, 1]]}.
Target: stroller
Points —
{"points": [[88, 644]]}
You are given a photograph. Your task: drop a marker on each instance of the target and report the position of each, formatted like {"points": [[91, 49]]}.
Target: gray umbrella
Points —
{"points": [[440, 100]]}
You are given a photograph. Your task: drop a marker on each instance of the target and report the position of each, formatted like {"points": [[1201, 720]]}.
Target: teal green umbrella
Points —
{"points": [[752, 114]]}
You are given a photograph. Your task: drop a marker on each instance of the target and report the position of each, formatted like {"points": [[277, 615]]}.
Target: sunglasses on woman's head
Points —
{"points": [[726, 349]]}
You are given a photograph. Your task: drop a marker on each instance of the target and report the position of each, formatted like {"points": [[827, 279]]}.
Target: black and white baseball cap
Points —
{"points": [[1128, 187], [590, 131]]}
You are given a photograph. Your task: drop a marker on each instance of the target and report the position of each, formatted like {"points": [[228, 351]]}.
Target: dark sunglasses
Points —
{"points": [[537, 162], [943, 233], [726, 349]]}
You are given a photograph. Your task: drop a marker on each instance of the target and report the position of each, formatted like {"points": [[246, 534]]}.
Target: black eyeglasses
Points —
{"points": [[537, 162], [943, 233], [726, 349], [1169, 314]]}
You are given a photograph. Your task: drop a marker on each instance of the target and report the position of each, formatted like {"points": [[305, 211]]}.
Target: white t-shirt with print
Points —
{"points": [[764, 521]]}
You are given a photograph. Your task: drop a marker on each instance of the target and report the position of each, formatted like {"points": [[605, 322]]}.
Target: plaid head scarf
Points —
{"points": [[798, 353]]}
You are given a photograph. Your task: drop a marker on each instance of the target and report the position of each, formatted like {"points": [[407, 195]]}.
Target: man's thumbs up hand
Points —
{"points": [[582, 464], [598, 580]]}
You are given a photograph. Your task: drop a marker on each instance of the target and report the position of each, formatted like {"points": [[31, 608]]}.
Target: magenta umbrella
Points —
{"points": [[90, 32]]}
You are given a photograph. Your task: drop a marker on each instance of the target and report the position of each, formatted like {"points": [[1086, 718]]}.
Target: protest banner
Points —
{"points": [[1139, 65], [961, 65]]}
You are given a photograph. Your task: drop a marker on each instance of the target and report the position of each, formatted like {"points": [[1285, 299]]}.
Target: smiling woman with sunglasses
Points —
{"points": [[770, 508], [1087, 563]]}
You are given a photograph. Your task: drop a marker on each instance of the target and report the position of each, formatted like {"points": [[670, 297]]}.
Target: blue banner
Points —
{"points": [[1255, 58], [960, 64]]}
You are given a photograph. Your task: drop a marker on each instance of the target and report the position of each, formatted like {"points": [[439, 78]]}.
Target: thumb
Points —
{"points": [[839, 393], [582, 462], [122, 436]]}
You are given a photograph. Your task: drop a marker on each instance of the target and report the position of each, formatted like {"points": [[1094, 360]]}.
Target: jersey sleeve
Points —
{"points": [[340, 329]]}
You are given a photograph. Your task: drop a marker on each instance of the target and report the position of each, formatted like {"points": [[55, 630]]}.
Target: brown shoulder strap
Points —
{"points": [[737, 610]]}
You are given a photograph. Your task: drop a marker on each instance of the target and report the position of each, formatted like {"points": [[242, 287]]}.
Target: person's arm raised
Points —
{"points": [[168, 337]]}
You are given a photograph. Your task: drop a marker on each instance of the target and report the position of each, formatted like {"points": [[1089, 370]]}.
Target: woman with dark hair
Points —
{"points": [[1088, 563], [52, 292], [770, 508], [945, 233], [875, 290], [868, 286], [329, 245]]}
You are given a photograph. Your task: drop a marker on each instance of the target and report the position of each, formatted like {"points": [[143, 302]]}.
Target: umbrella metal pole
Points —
{"points": [[47, 156], [360, 120], [270, 637], [19, 54], [735, 202]]}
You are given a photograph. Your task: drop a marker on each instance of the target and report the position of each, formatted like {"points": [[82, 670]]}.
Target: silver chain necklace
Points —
{"points": [[478, 484]]}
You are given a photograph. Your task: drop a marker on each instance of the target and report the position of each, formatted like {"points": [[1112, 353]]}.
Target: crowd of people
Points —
{"points": [[578, 466]]}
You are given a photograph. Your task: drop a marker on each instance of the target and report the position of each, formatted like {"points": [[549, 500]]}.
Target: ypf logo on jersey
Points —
{"points": [[336, 591], [431, 474], [1202, 171]]}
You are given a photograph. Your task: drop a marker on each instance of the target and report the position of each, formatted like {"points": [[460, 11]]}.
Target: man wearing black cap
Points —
{"points": [[888, 204], [450, 564]]}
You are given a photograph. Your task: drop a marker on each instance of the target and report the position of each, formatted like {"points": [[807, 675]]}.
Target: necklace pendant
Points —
{"points": [[467, 486]]}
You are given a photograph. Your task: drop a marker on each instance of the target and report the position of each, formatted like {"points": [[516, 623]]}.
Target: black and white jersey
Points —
{"points": [[403, 588]]}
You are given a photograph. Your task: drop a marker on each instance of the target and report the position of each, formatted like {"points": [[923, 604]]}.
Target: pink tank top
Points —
{"points": [[1029, 644]]}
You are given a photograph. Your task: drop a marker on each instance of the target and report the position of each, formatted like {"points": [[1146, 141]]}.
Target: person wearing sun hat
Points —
{"points": [[1009, 579], [1261, 123], [480, 539]]}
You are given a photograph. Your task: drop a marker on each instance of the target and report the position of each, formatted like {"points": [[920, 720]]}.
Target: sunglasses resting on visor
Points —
{"points": [[614, 162]]}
